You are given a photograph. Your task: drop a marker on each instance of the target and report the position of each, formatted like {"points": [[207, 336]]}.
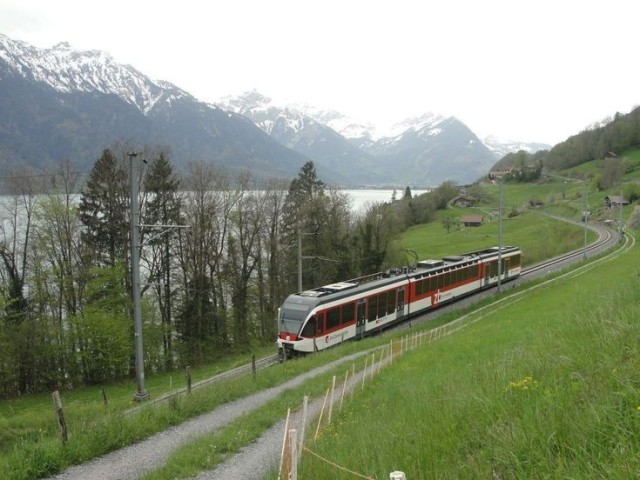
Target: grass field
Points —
{"points": [[30, 446], [529, 229], [548, 387]]}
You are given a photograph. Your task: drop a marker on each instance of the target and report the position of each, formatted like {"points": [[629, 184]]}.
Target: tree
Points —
{"points": [[162, 209], [448, 223], [375, 230], [103, 327], [201, 325], [612, 171], [58, 277], [302, 216], [321, 222], [245, 228], [104, 209], [15, 243], [272, 262]]}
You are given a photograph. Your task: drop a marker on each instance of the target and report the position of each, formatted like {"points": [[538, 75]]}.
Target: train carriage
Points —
{"points": [[319, 318]]}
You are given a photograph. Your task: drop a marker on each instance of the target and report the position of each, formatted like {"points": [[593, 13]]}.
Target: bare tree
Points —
{"points": [[207, 203], [15, 241]]}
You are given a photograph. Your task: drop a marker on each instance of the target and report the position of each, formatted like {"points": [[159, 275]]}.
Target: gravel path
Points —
{"points": [[263, 456], [253, 461]]}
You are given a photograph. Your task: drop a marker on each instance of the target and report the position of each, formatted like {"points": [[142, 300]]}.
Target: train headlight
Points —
{"points": [[288, 337]]}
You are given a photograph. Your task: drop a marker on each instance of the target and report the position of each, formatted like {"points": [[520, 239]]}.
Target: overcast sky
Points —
{"points": [[524, 70]]}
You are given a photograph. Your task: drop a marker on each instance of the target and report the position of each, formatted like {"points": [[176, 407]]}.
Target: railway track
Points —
{"points": [[226, 375], [606, 240]]}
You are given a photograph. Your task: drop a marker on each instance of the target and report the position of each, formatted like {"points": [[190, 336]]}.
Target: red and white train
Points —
{"points": [[316, 319]]}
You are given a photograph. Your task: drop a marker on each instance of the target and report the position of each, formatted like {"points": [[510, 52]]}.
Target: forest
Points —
{"points": [[218, 253]]}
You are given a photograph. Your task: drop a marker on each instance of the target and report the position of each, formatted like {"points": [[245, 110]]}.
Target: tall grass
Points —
{"points": [[546, 388]]}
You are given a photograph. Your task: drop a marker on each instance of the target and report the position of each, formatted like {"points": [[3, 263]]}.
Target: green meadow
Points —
{"points": [[546, 382], [545, 387]]}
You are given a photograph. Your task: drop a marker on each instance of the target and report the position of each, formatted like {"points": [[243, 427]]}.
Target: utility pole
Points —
{"points": [[141, 394], [585, 217], [301, 257], [621, 219], [500, 236]]}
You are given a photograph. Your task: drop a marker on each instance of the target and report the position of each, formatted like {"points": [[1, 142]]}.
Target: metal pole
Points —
{"points": [[141, 394], [585, 217], [621, 220], [500, 238], [299, 259]]}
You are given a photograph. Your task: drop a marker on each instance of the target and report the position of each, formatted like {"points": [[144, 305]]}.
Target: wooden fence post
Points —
{"points": [[104, 397], [344, 388], [324, 404], [364, 371], [303, 423], [62, 426], [253, 365], [283, 454], [333, 389], [293, 448], [188, 375]]}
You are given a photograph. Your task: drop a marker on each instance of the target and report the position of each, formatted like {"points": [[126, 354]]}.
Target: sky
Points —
{"points": [[536, 71]]}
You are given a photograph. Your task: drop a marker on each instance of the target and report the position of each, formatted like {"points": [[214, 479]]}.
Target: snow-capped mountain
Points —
{"points": [[424, 150], [67, 70], [306, 135], [502, 147], [60, 103], [63, 104]]}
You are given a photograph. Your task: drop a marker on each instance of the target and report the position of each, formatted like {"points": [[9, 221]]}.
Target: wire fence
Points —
{"points": [[294, 436]]}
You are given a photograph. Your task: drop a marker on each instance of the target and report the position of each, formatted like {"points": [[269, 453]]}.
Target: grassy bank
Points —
{"points": [[548, 387], [530, 230]]}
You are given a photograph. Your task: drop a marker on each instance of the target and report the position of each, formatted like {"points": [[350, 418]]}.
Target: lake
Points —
{"points": [[360, 198]]}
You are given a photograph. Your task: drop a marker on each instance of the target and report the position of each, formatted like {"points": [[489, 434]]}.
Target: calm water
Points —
{"points": [[361, 198]]}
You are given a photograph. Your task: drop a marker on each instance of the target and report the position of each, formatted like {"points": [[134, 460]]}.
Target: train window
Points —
{"points": [[493, 269], [391, 302], [373, 308], [333, 318], [382, 305], [320, 324], [419, 287], [310, 328], [347, 313]]}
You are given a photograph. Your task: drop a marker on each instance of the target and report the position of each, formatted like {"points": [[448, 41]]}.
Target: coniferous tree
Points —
{"points": [[162, 210], [321, 220], [104, 211]]}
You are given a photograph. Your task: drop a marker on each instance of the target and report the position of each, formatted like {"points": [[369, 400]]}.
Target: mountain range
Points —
{"points": [[62, 104]]}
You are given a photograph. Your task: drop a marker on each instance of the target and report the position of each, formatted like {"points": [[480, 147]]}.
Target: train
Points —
{"points": [[323, 317]]}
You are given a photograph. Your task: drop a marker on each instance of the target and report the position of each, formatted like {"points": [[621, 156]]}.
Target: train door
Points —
{"points": [[505, 266], [487, 271], [400, 303], [361, 318], [319, 329]]}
